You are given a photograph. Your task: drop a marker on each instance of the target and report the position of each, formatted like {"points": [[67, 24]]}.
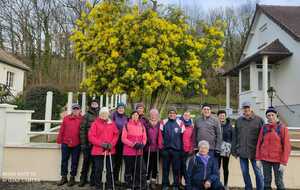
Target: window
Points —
{"points": [[260, 80], [245, 79], [10, 79]]}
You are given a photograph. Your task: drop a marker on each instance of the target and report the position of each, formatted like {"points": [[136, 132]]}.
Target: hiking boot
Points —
{"points": [[71, 181], [118, 183], [82, 183], [62, 181], [175, 188], [92, 183], [165, 188]]}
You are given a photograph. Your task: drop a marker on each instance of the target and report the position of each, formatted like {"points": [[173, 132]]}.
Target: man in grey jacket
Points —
{"points": [[246, 135], [207, 127]]}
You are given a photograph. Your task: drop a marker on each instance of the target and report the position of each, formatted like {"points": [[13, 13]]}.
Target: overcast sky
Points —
{"points": [[207, 4]]}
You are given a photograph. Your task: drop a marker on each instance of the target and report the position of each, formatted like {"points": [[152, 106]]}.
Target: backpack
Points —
{"points": [[278, 131]]}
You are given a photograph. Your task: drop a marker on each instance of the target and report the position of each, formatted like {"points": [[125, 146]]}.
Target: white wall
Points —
{"points": [[18, 77], [285, 77]]}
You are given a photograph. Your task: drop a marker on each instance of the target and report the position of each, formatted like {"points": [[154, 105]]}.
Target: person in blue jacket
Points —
{"points": [[203, 171]]}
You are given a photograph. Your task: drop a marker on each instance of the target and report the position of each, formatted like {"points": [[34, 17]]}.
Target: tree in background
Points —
{"points": [[142, 53]]}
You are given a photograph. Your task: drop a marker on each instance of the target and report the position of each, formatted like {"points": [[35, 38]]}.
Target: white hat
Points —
{"points": [[104, 110]]}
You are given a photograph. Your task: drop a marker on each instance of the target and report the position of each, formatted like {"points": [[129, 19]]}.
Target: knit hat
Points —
{"points": [[246, 104], [271, 109], [94, 100], [138, 105], [205, 105], [104, 110], [120, 104], [172, 108]]}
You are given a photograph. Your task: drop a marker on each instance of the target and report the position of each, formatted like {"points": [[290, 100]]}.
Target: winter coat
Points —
{"points": [[69, 131], [198, 173], [227, 131], [134, 132], [188, 139], [120, 120], [152, 137], [246, 136], [273, 147], [85, 125], [171, 134], [209, 129], [103, 132]]}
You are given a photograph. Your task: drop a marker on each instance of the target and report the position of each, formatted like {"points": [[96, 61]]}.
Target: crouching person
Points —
{"points": [[203, 171], [134, 138], [69, 139], [103, 135]]}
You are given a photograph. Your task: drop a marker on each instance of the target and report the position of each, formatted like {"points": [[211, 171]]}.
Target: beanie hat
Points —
{"points": [[138, 105], [120, 104], [172, 108], [205, 105], [104, 110], [271, 109]]}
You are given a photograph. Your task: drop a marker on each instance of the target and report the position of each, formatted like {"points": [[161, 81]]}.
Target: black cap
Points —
{"points": [[271, 109]]}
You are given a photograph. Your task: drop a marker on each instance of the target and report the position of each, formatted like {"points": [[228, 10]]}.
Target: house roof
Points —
{"points": [[287, 17], [275, 50], [9, 59]]}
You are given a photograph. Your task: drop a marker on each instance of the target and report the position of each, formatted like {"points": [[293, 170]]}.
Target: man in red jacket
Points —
{"points": [[103, 135], [273, 149], [69, 139]]}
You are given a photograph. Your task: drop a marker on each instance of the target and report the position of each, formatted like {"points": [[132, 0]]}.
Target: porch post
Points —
{"points": [[265, 81], [48, 111], [227, 92]]}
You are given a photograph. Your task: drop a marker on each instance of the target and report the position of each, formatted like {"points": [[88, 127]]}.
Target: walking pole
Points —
{"points": [[134, 172], [112, 171], [141, 165], [157, 165], [148, 160], [104, 171]]}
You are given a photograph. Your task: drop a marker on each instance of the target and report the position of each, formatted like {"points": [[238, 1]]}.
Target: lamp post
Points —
{"points": [[271, 93]]}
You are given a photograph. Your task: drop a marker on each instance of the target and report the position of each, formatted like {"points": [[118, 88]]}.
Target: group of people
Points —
{"points": [[196, 150]]}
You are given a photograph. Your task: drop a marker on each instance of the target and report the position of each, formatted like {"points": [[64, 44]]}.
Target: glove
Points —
{"points": [[109, 146], [281, 168], [141, 145], [104, 145], [136, 146], [259, 164]]}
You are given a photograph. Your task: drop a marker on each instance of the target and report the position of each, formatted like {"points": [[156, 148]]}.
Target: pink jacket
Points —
{"points": [[103, 132], [188, 139], [133, 132], [69, 131]]}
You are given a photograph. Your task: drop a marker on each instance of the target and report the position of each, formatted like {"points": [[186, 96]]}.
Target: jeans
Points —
{"points": [[87, 162], [267, 168], [169, 157], [244, 163], [66, 152]]}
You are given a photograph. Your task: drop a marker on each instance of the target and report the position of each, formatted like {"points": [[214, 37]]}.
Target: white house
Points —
{"points": [[271, 58], [12, 72]]}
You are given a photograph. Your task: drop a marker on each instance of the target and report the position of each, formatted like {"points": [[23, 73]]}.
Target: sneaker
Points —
{"points": [[62, 181], [71, 181]]}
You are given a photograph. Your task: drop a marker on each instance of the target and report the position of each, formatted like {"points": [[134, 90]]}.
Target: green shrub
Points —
{"points": [[35, 99]]}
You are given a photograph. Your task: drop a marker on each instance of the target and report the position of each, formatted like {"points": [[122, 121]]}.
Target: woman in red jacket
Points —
{"points": [[273, 149], [134, 138], [103, 135], [69, 139]]}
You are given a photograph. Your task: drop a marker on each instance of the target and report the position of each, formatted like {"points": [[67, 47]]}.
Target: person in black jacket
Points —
{"points": [[227, 131], [203, 172], [86, 147]]}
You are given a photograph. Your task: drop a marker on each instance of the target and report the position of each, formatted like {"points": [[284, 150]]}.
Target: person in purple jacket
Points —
{"points": [[151, 148], [120, 118]]}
